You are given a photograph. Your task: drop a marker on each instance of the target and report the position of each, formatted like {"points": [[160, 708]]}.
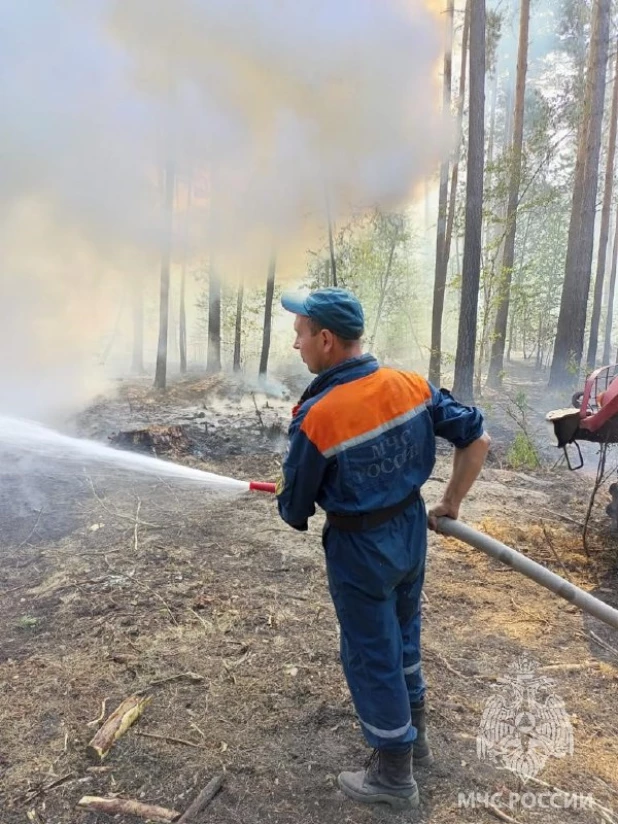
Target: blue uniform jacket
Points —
{"points": [[363, 436]]}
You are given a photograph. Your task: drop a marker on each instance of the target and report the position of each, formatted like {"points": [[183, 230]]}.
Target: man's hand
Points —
{"points": [[467, 463], [443, 508]]}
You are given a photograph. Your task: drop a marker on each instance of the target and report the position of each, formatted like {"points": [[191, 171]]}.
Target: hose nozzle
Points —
{"points": [[262, 486]]}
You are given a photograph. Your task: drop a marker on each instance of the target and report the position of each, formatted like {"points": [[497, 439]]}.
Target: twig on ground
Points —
{"points": [[600, 477], [530, 615], [30, 795], [499, 814], [32, 531], [171, 739], [195, 727], [594, 802], [550, 544], [193, 677], [563, 517], [121, 806], [202, 800], [257, 411], [208, 627], [21, 586], [116, 514], [139, 506], [602, 643], [98, 720], [569, 667], [443, 661]]}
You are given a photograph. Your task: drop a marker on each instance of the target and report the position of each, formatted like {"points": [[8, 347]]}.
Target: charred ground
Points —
{"points": [[111, 585]]}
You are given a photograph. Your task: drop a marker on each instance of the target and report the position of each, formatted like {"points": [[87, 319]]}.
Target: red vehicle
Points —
{"points": [[593, 416]]}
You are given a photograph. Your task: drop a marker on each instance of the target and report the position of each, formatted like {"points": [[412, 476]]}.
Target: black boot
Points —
{"points": [[388, 779], [421, 752]]}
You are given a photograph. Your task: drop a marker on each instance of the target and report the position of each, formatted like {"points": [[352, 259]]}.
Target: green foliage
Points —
{"points": [[374, 258], [28, 622], [522, 453], [493, 33]]}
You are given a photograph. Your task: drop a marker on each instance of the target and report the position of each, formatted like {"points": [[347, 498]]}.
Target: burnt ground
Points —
{"points": [[112, 585]]}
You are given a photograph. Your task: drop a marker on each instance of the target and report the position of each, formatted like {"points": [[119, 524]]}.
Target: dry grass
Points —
{"points": [[220, 613]]}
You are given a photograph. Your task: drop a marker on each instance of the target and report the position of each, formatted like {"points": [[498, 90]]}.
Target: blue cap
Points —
{"points": [[335, 309]]}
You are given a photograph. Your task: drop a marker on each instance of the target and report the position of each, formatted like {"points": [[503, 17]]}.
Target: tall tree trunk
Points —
{"points": [[496, 362], [511, 335], [610, 303], [268, 315], [569, 342], [604, 236], [539, 342], [182, 325], [491, 142], [213, 358], [435, 356], [450, 221], [137, 358], [470, 276], [384, 288], [331, 241], [238, 326], [160, 381]]}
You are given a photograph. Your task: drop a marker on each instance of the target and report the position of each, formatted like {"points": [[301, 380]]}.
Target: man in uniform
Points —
{"points": [[361, 446]]}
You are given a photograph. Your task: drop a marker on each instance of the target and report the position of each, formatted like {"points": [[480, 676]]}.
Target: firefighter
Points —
{"points": [[361, 446]]}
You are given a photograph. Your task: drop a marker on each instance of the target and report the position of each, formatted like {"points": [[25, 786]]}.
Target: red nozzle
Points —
{"points": [[262, 486]]}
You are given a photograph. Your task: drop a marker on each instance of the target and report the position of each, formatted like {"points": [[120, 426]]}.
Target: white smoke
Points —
{"points": [[265, 107]]}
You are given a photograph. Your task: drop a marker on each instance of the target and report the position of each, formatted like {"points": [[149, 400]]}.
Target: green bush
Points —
{"points": [[522, 453]]}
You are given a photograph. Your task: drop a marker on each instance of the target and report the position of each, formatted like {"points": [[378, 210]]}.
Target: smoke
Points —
{"points": [[265, 109]]}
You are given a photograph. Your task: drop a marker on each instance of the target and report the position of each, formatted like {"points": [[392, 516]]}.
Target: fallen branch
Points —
{"points": [[116, 514], [122, 806], [569, 667], [603, 643], [600, 478], [443, 661], [139, 506], [117, 724], [203, 799], [550, 544], [32, 531], [257, 411], [170, 738], [604, 811], [562, 517], [193, 677], [530, 616], [31, 794], [499, 814], [97, 721]]}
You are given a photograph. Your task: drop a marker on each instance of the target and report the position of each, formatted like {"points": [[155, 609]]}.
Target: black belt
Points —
{"points": [[362, 521]]}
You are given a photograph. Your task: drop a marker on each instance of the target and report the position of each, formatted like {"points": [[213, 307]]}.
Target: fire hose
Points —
{"points": [[520, 563]]}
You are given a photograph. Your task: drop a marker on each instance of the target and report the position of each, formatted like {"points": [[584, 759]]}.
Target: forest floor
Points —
{"points": [[112, 585]]}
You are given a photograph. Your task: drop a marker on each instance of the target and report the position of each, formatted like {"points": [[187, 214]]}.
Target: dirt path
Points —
{"points": [[222, 614]]}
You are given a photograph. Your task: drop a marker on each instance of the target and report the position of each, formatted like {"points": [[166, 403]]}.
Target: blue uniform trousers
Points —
{"points": [[375, 580]]}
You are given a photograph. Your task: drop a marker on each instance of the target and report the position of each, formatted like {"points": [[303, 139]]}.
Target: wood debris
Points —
{"points": [[117, 724], [125, 806]]}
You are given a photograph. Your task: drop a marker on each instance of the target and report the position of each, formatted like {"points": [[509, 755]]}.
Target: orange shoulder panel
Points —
{"points": [[360, 406]]}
